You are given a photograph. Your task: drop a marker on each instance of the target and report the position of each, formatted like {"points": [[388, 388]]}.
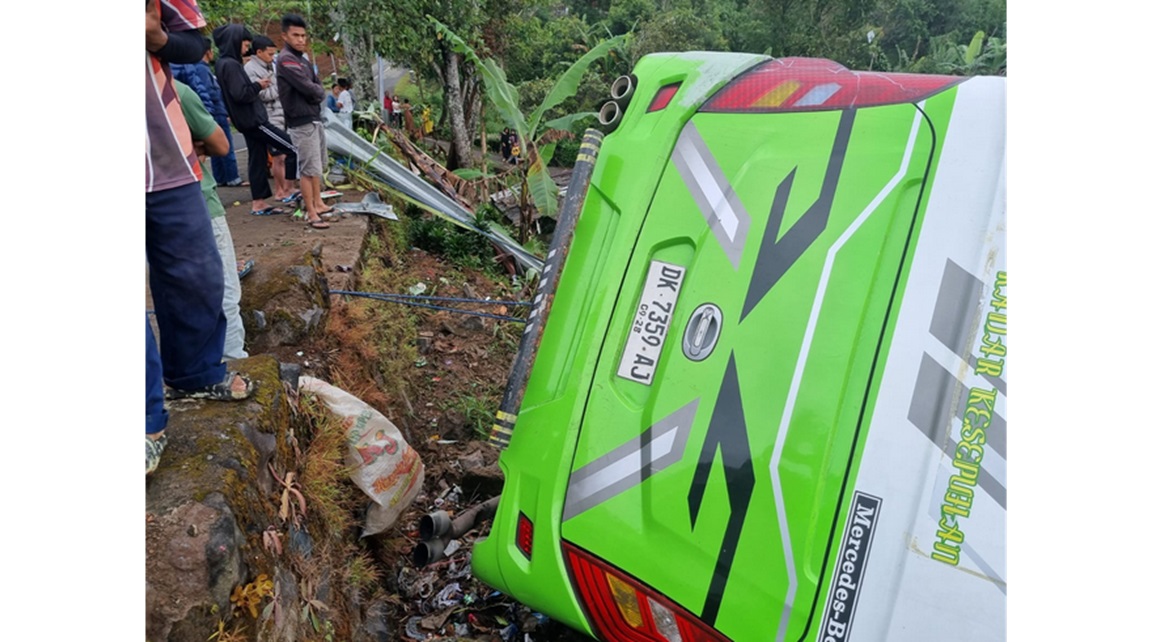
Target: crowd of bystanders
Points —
{"points": [[274, 100]]}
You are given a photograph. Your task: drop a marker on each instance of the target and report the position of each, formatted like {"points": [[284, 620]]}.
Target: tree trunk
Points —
{"points": [[460, 153], [358, 49]]}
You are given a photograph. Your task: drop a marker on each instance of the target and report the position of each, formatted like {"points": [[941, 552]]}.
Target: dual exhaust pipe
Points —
{"points": [[612, 112], [437, 529]]}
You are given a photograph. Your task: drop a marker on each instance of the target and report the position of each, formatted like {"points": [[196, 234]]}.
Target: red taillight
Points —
{"points": [[811, 84], [663, 97], [621, 609], [523, 533]]}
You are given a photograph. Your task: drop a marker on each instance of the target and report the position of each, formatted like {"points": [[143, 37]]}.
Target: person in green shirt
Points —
{"points": [[210, 140]]}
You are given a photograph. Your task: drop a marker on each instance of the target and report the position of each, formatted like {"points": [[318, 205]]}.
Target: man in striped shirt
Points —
{"points": [[185, 277]]}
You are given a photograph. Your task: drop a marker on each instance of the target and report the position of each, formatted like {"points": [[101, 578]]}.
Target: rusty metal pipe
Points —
{"points": [[437, 529]]}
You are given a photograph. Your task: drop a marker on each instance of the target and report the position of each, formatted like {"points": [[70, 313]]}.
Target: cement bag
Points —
{"points": [[387, 469]]}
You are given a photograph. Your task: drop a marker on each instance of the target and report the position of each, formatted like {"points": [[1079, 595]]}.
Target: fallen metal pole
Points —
{"points": [[340, 139]]}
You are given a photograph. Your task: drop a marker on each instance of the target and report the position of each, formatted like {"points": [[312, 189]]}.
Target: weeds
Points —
{"points": [[362, 572], [248, 597], [464, 248], [235, 634], [325, 480], [478, 407]]}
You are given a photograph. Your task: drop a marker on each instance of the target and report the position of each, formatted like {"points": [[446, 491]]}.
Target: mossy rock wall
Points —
{"points": [[213, 509], [285, 304]]}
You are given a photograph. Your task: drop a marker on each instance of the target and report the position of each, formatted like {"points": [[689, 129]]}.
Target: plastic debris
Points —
{"points": [[412, 629], [450, 596], [417, 288]]}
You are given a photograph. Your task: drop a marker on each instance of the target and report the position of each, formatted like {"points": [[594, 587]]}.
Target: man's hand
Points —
{"points": [[264, 82], [199, 149], [155, 35]]}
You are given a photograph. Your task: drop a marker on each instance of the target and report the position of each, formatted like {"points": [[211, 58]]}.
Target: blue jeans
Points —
{"points": [[186, 281], [225, 167]]}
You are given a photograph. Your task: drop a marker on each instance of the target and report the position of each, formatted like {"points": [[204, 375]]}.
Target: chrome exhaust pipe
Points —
{"points": [[623, 88], [610, 115]]}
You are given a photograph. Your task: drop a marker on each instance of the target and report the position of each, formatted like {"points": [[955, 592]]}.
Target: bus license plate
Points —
{"points": [[650, 327]]}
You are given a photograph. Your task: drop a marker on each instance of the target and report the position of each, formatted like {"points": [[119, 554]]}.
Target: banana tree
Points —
{"points": [[531, 129]]}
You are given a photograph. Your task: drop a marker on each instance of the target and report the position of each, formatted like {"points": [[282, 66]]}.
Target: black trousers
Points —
{"points": [[267, 139]]}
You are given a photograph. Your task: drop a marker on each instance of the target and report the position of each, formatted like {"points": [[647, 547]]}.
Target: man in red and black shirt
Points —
{"points": [[185, 277], [302, 94]]}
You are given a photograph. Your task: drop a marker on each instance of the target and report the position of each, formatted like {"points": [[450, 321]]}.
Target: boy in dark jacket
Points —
{"points": [[243, 100]]}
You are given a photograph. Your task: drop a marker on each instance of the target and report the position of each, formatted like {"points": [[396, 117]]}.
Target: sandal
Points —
{"points": [[269, 211], [153, 450], [318, 225], [221, 391]]}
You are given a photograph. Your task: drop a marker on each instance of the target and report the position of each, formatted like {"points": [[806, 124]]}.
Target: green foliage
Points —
{"points": [[680, 29], [505, 97], [566, 151], [568, 82], [949, 57], [477, 407], [459, 246]]}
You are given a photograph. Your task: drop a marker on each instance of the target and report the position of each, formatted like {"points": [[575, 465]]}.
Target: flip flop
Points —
{"points": [[328, 210], [319, 225], [269, 211], [221, 391]]}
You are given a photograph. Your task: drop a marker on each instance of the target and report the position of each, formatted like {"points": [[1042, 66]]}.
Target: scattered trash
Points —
{"points": [[420, 362], [453, 547], [417, 288], [412, 629], [451, 595], [436, 621]]}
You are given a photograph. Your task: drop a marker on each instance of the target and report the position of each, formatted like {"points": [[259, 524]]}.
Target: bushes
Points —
{"points": [[464, 248]]}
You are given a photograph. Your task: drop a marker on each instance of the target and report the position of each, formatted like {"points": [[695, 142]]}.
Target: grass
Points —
{"points": [[376, 339], [461, 247], [331, 498], [477, 407]]}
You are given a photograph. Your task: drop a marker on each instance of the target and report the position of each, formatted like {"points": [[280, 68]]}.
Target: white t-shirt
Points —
{"points": [[347, 102]]}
